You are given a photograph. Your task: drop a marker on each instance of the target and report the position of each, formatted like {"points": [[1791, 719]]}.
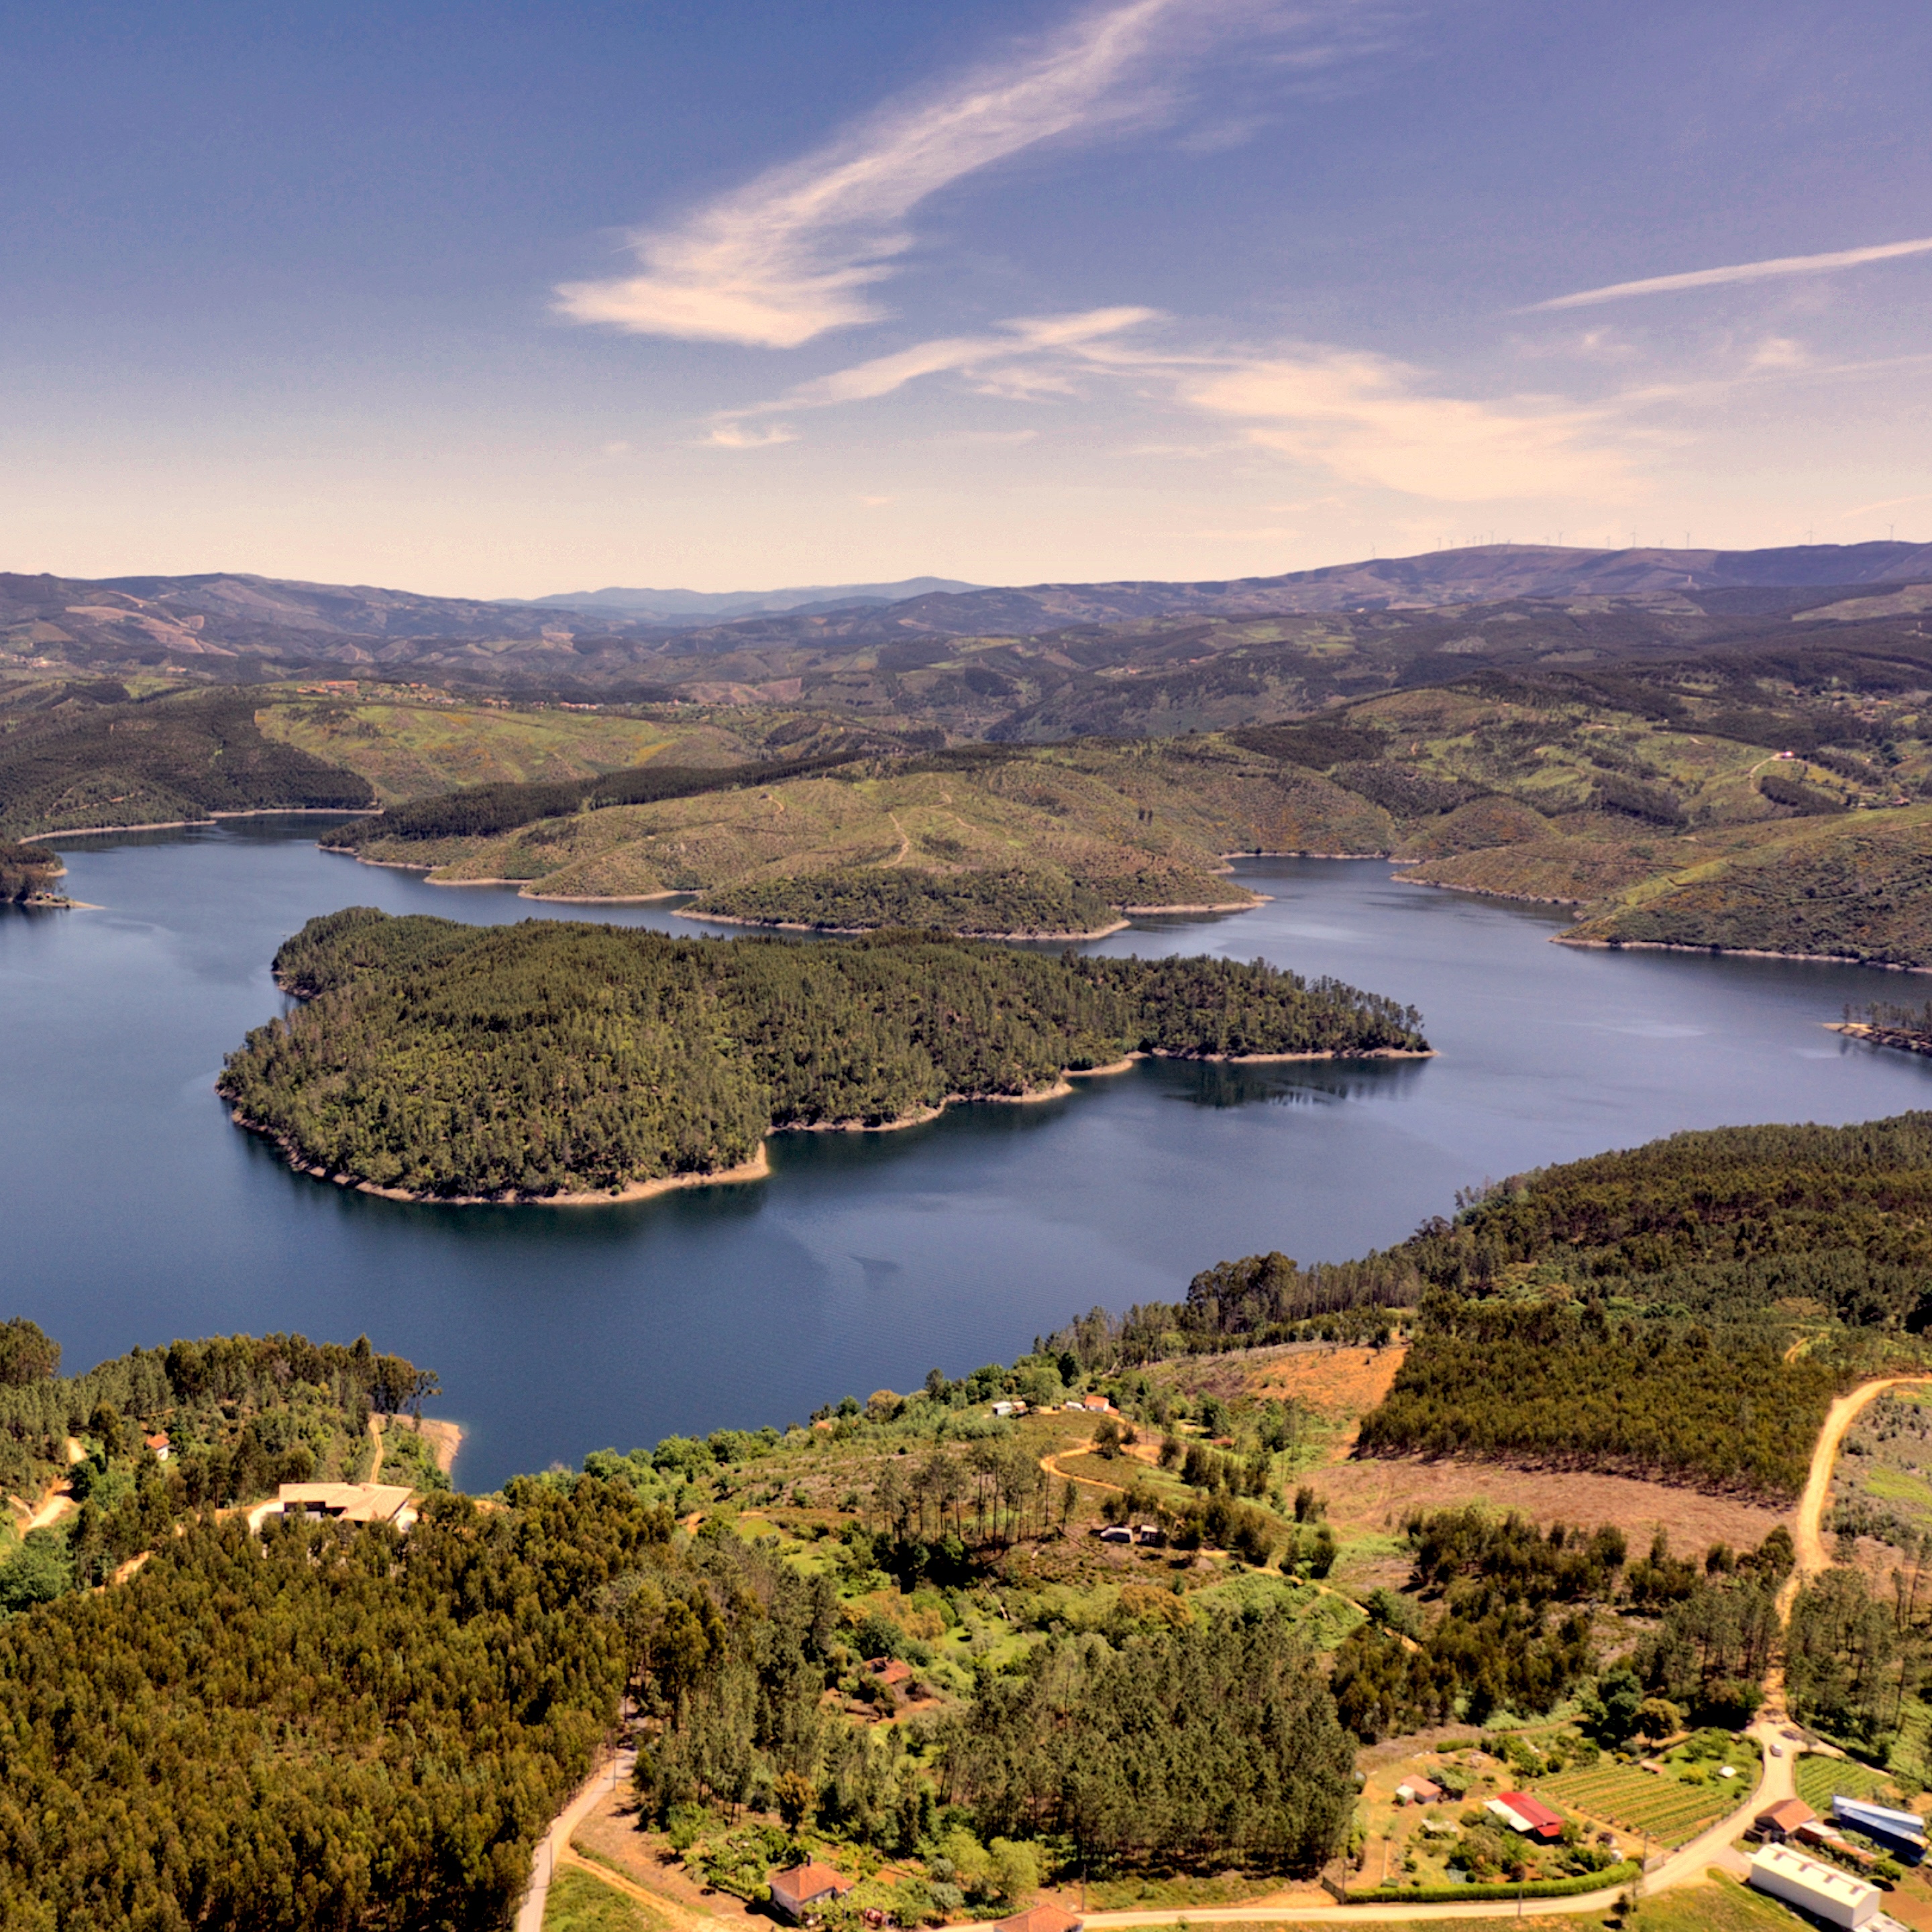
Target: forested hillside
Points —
{"points": [[1770, 802], [98, 759], [553, 1058], [237, 1416], [26, 872], [318, 1728], [1689, 1307]]}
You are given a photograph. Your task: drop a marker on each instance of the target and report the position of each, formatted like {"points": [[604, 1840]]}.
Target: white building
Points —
{"points": [[1822, 1890]]}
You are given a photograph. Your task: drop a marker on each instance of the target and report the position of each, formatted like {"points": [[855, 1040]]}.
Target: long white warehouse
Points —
{"points": [[1822, 1890]]}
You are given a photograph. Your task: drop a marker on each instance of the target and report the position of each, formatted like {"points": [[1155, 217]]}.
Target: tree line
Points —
{"points": [[551, 1057]]}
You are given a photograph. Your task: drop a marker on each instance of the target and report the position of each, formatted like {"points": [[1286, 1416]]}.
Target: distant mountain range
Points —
{"points": [[880, 647], [671, 605]]}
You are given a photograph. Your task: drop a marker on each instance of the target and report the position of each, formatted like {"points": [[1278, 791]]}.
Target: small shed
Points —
{"points": [[1420, 1790], [795, 1891]]}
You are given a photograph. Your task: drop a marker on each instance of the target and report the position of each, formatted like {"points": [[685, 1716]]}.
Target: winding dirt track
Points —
{"points": [[1807, 1532]]}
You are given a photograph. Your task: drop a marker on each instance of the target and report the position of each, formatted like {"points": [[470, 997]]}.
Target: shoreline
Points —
{"points": [[864, 932], [1489, 892], [216, 817], [1730, 952], [1895, 1038], [758, 1168], [1130, 912]]}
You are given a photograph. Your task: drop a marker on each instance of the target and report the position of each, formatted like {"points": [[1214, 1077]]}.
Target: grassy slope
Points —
{"points": [[1137, 826], [407, 750], [1503, 790]]}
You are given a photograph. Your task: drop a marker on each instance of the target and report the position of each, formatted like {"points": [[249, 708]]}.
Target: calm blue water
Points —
{"points": [[134, 1212]]}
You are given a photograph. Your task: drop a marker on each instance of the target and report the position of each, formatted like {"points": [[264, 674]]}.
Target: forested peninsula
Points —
{"points": [[556, 1059]]}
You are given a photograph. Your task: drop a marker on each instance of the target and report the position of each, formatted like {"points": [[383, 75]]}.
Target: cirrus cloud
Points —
{"points": [[798, 250]]}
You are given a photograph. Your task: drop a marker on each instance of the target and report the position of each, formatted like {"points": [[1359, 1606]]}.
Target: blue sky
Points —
{"points": [[502, 301]]}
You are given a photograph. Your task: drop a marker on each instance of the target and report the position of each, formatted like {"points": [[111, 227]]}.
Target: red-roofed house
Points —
{"points": [[1778, 1822], [1522, 1813], [795, 1892], [1040, 1918]]}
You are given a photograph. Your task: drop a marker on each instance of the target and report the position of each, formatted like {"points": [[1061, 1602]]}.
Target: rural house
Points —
{"points": [[796, 1891]]}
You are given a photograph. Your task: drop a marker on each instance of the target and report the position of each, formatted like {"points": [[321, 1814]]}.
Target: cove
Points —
{"points": [[136, 1212]]}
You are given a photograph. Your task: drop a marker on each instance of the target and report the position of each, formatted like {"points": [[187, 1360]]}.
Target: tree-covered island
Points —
{"points": [[552, 1059]]}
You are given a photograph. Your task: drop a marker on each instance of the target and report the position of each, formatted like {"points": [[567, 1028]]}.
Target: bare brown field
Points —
{"points": [[1335, 1381], [1377, 1493]]}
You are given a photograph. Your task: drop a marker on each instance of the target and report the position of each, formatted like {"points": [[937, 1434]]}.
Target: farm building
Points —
{"points": [[1522, 1813], [1822, 1890], [795, 1892], [346, 1502], [1418, 1790], [1040, 1918], [1900, 1832], [1777, 1823]]}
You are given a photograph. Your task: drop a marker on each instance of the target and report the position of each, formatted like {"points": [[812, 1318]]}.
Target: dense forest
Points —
{"points": [[551, 1057], [1686, 1309], [319, 1728], [1008, 903], [1639, 1310], [98, 757]]}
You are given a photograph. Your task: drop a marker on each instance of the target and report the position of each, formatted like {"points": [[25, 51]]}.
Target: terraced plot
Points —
{"points": [[1819, 1778], [1671, 1812]]}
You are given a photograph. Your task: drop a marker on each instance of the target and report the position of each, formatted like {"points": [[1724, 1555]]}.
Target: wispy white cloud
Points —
{"points": [[1363, 418], [989, 359], [1740, 271], [798, 250], [735, 436], [1373, 422]]}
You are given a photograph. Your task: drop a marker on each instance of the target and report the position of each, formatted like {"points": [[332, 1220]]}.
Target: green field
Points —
{"points": [[1670, 1811], [1820, 1778], [578, 1903]]}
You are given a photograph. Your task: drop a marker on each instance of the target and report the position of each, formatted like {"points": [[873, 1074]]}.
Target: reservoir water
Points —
{"points": [[134, 1212]]}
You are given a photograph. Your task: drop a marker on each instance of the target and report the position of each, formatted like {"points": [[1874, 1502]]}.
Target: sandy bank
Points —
{"points": [[215, 817], [445, 1438], [1486, 892], [1894, 1037], [756, 1168]]}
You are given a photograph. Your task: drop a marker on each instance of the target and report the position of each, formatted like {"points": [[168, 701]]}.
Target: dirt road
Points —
{"points": [[1807, 1532], [555, 1844]]}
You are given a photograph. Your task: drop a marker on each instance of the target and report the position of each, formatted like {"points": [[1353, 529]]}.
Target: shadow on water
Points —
{"points": [[1293, 1084]]}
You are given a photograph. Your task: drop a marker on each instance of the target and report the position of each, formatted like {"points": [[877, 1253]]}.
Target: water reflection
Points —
{"points": [[137, 1213]]}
